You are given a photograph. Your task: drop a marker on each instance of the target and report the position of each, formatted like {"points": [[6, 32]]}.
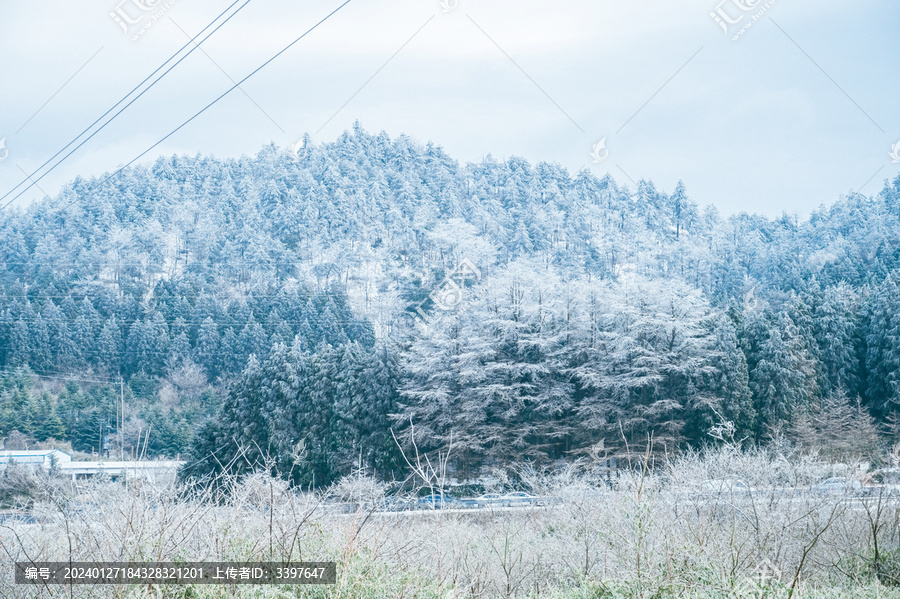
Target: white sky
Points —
{"points": [[762, 124]]}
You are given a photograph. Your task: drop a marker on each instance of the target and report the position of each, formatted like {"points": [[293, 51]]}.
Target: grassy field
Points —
{"points": [[639, 534]]}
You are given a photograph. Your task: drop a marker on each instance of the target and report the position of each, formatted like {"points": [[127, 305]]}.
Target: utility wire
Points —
{"points": [[124, 98], [211, 104]]}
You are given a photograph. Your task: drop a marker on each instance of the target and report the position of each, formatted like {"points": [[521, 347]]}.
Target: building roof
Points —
{"points": [[33, 455]]}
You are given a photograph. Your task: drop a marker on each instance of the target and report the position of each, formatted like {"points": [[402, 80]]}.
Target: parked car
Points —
{"points": [[488, 499], [517, 499], [466, 503], [438, 501], [838, 485]]}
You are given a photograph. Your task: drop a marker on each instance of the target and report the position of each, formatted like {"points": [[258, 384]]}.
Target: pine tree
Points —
{"points": [[20, 345], [243, 427], [41, 355], [348, 427], [158, 335], [137, 348], [55, 321], [283, 378], [84, 338], [521, 243], [882, 335], [207, 353], [229, 354], [180, 352], [109, 347], [253, 340], [317, 411], [208, 453], [376, 401], [784, 379], [725, 392], [49, 425], [68, 353]]}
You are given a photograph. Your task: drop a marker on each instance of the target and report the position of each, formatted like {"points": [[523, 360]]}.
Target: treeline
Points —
{"points": [[537, 368], [85, 416], [126, 335], [310, 416], [69, 368], [542, 367], [598, 312]]}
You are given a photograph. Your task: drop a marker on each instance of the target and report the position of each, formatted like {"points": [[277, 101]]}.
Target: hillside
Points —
{"points": [[312, 303]]}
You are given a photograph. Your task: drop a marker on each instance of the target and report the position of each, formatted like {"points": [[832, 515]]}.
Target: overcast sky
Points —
{"points": [[792, 112]]}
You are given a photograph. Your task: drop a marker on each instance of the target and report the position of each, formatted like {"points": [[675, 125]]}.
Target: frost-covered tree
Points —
{"points": [[837, 332], [726, 396], [882, 357], [561, 343], [784, 378]]}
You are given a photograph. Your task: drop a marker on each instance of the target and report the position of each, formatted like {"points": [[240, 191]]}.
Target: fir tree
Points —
{"points": [[784, 379]]}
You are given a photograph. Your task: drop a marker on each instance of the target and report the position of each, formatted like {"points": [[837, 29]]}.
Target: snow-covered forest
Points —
{"points": [[313, 306]]}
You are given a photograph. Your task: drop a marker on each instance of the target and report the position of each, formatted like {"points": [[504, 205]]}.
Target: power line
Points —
{"points": [[79, 297], [125, 97], [234, 324], [211, 104], [229, 260], [123, 355], [56, 376]]}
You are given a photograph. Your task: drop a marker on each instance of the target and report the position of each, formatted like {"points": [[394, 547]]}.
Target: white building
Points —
{"points": [[154, 471], [40, 457]]}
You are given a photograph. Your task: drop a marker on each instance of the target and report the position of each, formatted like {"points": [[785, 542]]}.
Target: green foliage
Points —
{"points": [[309, 417]]}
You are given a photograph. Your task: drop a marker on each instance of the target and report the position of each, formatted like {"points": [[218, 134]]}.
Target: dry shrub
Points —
{"points": [[638, 533]]}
